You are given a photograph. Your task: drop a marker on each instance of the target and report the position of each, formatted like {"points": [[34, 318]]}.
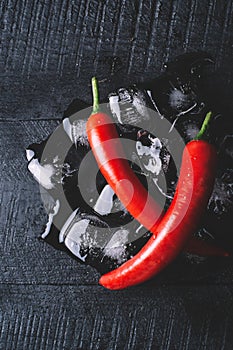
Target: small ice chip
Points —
{"points": [[42, 173]]}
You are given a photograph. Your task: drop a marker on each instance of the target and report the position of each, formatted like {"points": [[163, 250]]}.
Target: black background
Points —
{"points": [[49, 50]]}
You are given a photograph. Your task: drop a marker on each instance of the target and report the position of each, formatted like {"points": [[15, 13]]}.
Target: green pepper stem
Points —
{"points": [[204, 126], [95, 93]]}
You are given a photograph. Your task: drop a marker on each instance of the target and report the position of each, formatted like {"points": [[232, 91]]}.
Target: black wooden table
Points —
{"points": [[49, 50]]}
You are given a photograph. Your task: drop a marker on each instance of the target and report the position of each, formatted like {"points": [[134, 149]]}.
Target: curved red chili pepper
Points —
{"points": [[115, 168], [181, 219], [108, 151]]}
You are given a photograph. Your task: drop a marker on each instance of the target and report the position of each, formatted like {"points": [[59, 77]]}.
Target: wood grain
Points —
{"points": [[62, 317], [26, 259], [49, 50]]}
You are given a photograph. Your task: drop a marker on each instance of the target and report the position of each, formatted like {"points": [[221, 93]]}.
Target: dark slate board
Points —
{"points": [[48, 52]]}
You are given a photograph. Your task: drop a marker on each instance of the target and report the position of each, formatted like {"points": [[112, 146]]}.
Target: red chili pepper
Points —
{"points": [[116, 169], [108, 151], [181, 219]]}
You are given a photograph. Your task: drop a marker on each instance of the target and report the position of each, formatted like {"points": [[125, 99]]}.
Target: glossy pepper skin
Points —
{"points": [[108, 151], [181, 220], [116, 170]]}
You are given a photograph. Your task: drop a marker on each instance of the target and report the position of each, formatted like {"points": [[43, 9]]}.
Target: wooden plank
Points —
{"points": [[70, 32], [22, 215], [25, 259], [72, 317], [48, 53], [15, 137], [50, 50]]}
